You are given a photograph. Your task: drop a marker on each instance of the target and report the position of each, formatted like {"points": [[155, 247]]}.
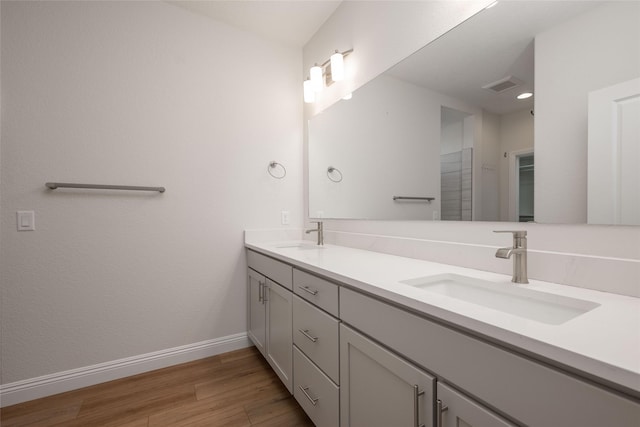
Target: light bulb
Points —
{"points": [[316, 77], [337, 67], [309, 94]]}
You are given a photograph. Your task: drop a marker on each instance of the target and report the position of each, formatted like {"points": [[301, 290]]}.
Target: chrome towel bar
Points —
{"points": [[54, 185], [425, 199]]}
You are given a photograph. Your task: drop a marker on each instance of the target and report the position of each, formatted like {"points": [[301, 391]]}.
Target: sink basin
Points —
{"points": [[529, 304], [301, 246]]}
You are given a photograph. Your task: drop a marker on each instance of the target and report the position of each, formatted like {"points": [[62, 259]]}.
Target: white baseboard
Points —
{"points": [[35, 388]]}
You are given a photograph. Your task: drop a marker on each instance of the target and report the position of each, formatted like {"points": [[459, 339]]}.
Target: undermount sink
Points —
{"points": [[301, 246], [529, 304]]}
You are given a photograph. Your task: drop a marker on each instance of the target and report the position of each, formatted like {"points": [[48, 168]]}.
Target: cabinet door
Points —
{"points": [[257, 310], [379, 388], [457, 410], [280, 332]]}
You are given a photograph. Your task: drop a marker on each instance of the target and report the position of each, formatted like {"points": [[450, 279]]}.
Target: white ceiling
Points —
{"points": [[490, 46], [290, 22]]}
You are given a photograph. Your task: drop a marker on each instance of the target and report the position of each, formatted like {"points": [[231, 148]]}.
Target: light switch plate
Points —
{"points": [[26, 220], [285, 217]]}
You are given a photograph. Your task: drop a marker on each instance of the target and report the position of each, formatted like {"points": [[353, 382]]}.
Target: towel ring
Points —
{"points": [[330, 170], [273, 165]]}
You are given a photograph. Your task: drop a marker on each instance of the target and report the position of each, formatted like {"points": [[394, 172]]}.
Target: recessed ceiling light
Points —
{"points": [[525, 95]]}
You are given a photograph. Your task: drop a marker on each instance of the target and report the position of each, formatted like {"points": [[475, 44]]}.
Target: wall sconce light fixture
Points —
{"points": [[337, 66], [331, 70], [316, 78], [309, 93]]}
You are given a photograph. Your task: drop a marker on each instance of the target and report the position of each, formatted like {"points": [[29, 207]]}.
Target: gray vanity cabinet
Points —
{"points": [[270, 310], [351, 359], [379, 388], [519, 388]]}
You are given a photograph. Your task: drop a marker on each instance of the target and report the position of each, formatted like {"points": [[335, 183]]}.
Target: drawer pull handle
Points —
{"points": [[311, 291], [305, 332], [313, 401], [260, 291], [440, 409], [416, 406]]}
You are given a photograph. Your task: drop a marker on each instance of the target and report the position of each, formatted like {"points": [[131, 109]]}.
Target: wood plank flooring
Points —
{"points": [[235, 389]]}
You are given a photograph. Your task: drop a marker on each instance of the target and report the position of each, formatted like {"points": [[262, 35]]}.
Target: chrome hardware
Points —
{"points": [[519, 249], [319, 230], [305, 332], [313, 401], [264, 292], [416, 406], [422, 199], [272, 165], [259, 291], [306, 289], [331, 170], [440, 409], [54, 185]]}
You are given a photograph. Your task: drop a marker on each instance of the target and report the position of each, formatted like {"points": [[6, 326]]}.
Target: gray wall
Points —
{"points": [[135, 93]]}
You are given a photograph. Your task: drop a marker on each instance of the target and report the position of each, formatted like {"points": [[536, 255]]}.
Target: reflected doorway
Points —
{"points": [[521, 186]]}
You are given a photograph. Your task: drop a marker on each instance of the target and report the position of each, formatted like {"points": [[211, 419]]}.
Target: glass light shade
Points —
{"points": [[316, 78], [337, 67], [309, 94]]}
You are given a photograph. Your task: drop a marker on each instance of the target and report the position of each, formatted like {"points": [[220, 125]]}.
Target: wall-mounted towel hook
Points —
{"points": [[330, 171], [273, 165]]}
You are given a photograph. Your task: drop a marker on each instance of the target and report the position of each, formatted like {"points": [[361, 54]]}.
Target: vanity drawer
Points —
{"points": [[314, 391], [318, 291], [316, 334], [275, 270]]}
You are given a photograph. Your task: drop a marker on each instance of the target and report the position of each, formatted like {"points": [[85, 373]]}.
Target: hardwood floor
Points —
{"points": [[234, 389]]}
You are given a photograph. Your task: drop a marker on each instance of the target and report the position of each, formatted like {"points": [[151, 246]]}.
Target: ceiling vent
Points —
{"points": [[503, 85]]}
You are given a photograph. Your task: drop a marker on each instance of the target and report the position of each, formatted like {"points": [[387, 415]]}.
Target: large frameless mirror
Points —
{"points": [[449, 134]]}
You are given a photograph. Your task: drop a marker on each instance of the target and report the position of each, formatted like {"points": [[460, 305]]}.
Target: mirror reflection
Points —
{"points": [[448, 133]]}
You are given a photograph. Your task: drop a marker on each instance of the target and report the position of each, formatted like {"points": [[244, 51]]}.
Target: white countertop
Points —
{"points": [[603, 343]]}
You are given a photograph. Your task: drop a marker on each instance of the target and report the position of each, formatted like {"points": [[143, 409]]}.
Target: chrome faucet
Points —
{"points": [[319, 230], [519, 250]]}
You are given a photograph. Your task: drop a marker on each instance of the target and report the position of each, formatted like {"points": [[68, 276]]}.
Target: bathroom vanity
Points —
{"points": [[368, 339]]}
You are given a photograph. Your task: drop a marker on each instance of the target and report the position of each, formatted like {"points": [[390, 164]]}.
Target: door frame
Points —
{"points": [[514, 181]]}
